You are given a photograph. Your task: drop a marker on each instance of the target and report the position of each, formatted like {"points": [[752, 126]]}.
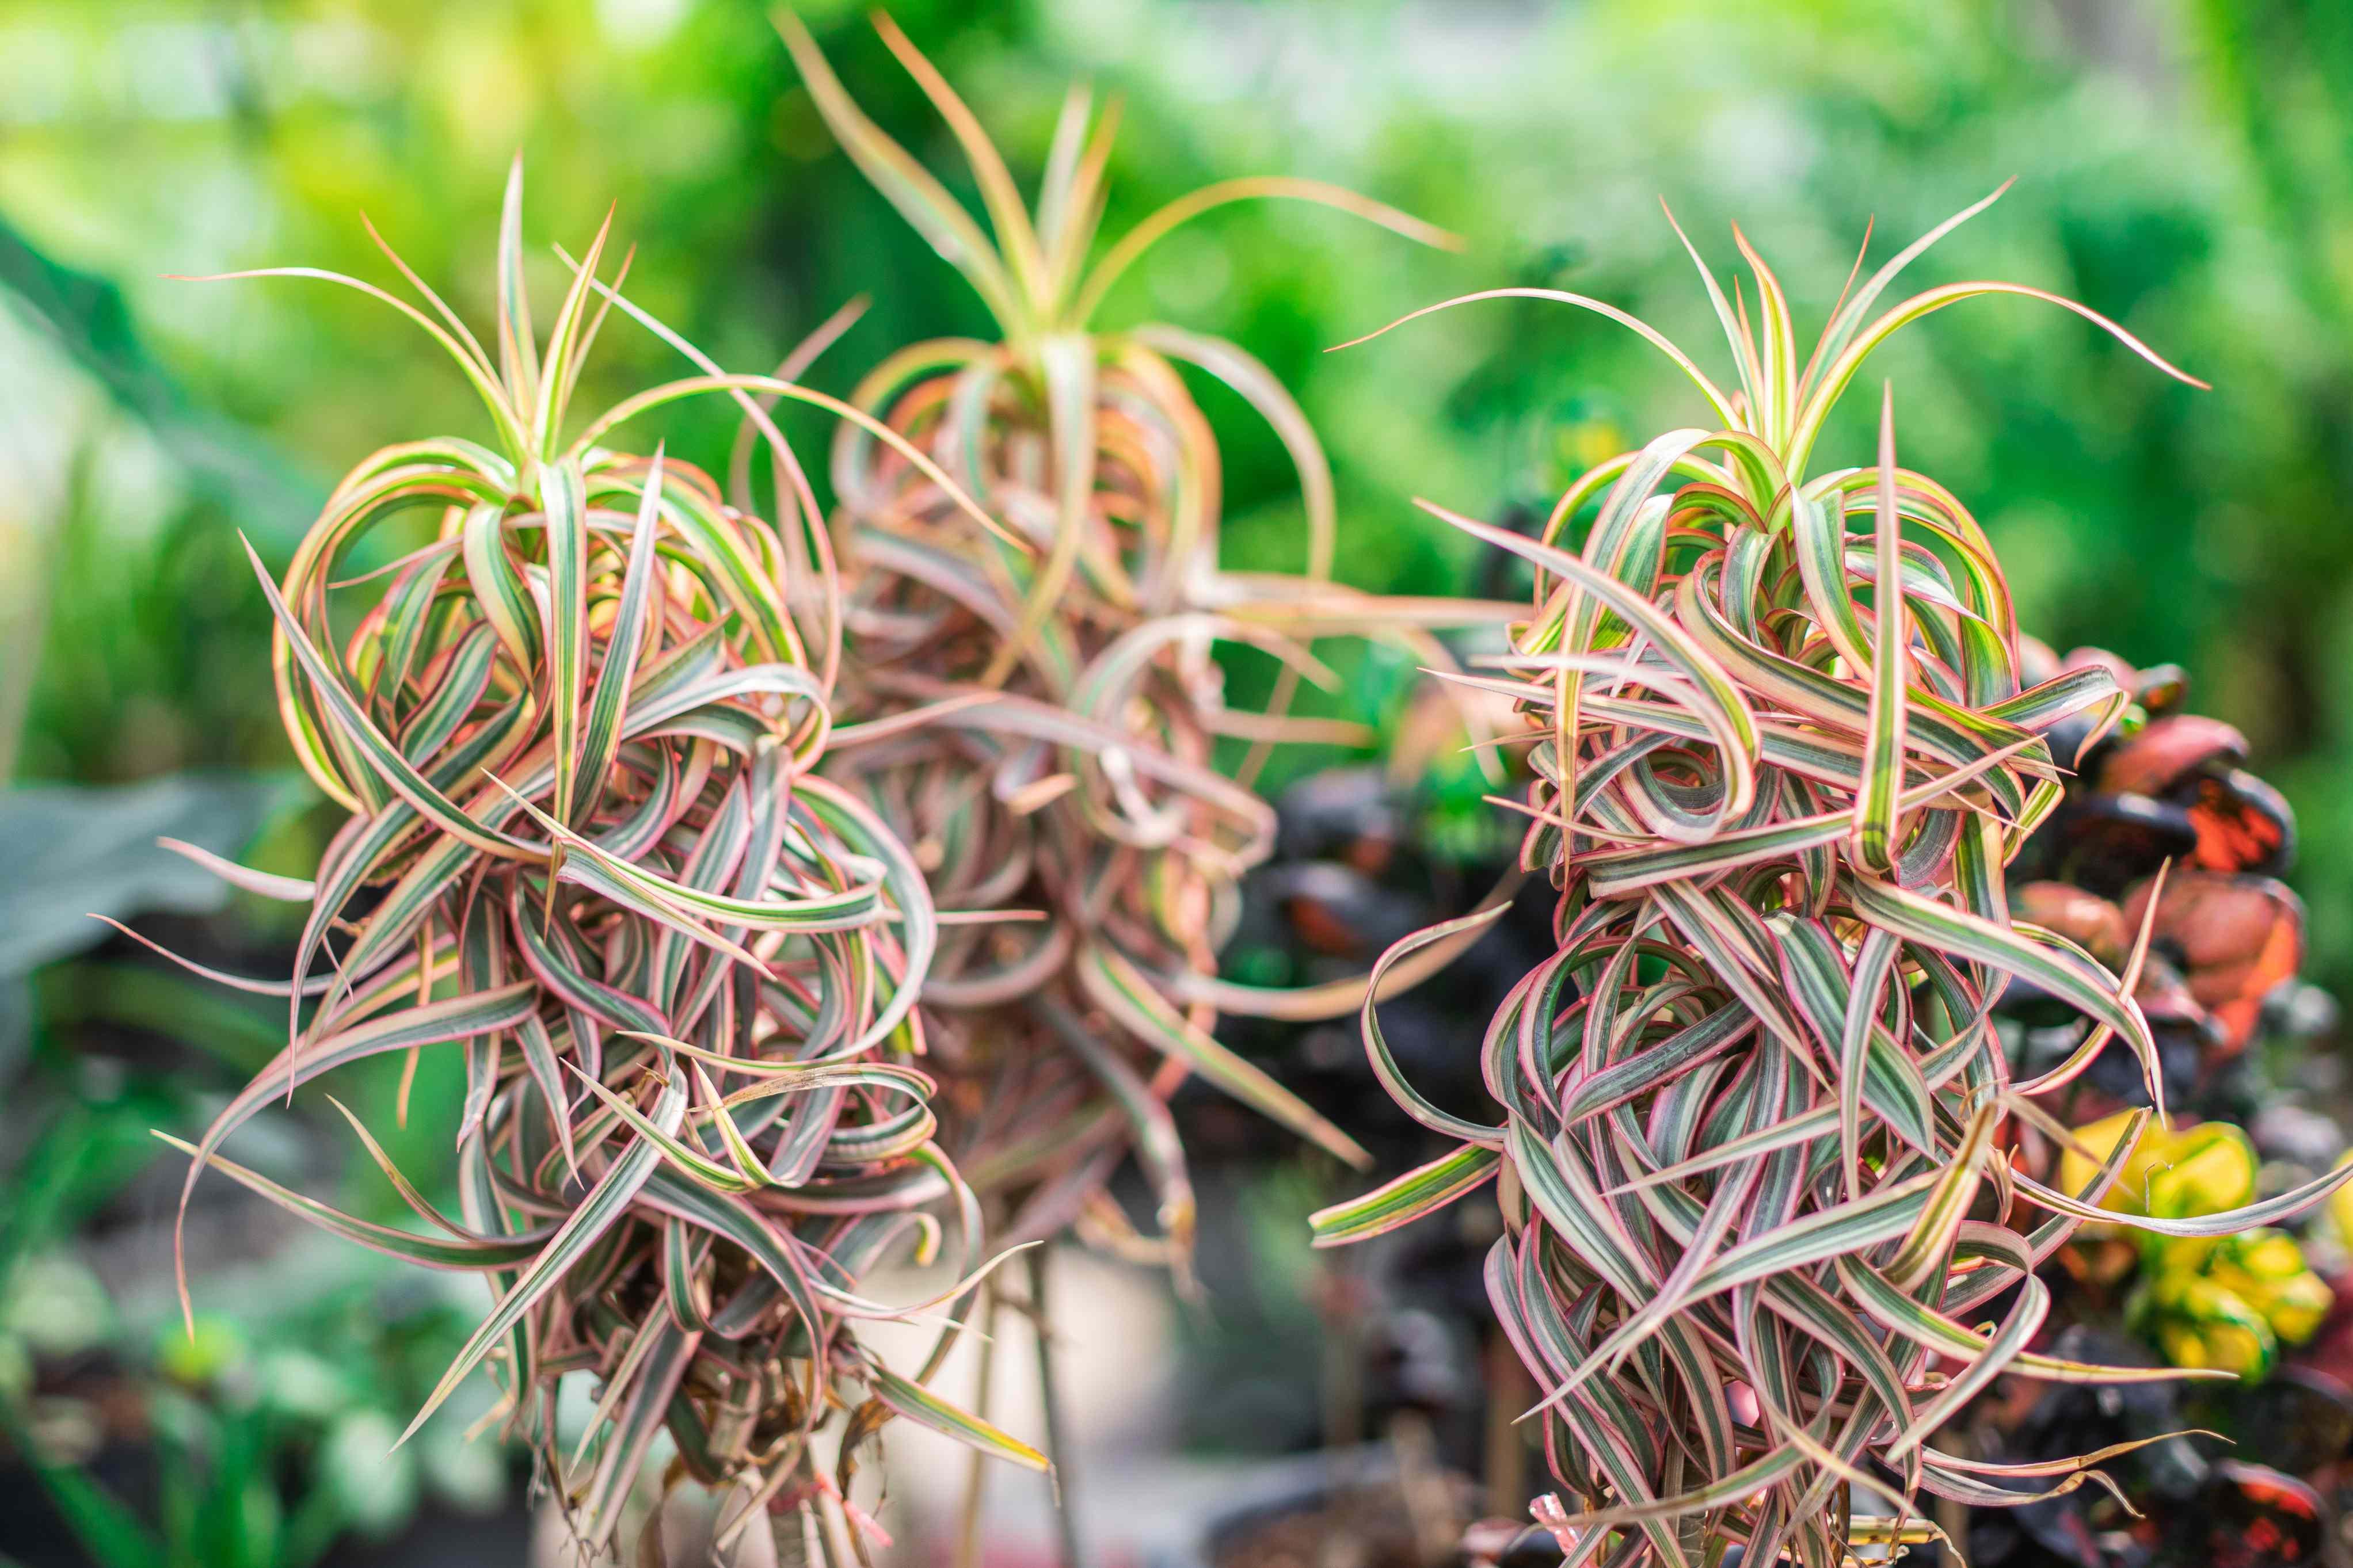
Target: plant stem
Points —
{"points": [[1344, 1393], [1040, 1319], [842, 1543], [1509, 1391], [976, 1479]]}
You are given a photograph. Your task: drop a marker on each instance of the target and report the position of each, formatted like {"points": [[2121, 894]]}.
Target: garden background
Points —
{"points": [[2183, 167]]}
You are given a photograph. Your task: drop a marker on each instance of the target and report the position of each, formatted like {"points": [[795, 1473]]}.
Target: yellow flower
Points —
{"points": [[2231, 1348], [2257, 1257]]}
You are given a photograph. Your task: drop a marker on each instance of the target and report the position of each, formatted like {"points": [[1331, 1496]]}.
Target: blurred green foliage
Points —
{"points": [[2180, 166], [263, 1438]]}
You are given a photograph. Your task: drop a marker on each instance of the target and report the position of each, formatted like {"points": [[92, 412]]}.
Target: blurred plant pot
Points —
{"points": [[1358, 1507]]}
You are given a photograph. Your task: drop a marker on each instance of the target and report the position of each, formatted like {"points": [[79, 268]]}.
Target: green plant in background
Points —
{"points": [[269, 1436], [2178, 163], [2230, 1301], [576, 727], [123, 1442], [1752, 1100], [112, 461], [1062, 708], [70, 853]]}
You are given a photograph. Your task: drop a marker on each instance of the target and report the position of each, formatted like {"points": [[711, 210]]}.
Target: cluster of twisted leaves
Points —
{"points": [[1062, 705], [1752, 1154], [746, 999], [578, 734]]}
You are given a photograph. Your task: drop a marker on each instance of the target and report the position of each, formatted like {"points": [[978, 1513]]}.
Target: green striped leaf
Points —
{"points": [[1120, 989], [1717, 698], [432, 1251], [1395, 1204], [1877, 805], [2077, 981], [563, 495], [353, 725], [603, 1208], [925, 1408], [600, 738]]}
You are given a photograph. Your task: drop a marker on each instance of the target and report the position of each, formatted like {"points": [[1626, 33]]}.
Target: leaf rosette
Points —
{"points": [[577, 731], [1755, 1131], [1054, 704]]}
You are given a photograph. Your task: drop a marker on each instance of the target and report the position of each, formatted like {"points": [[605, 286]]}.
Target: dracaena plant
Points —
{"points": [[575, 720], [1061, 701], [1753, 1117]]}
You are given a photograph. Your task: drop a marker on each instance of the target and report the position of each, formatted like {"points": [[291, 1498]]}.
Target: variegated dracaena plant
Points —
{"points": [[577, 731], [1067, 698], [1750, 1155]]}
